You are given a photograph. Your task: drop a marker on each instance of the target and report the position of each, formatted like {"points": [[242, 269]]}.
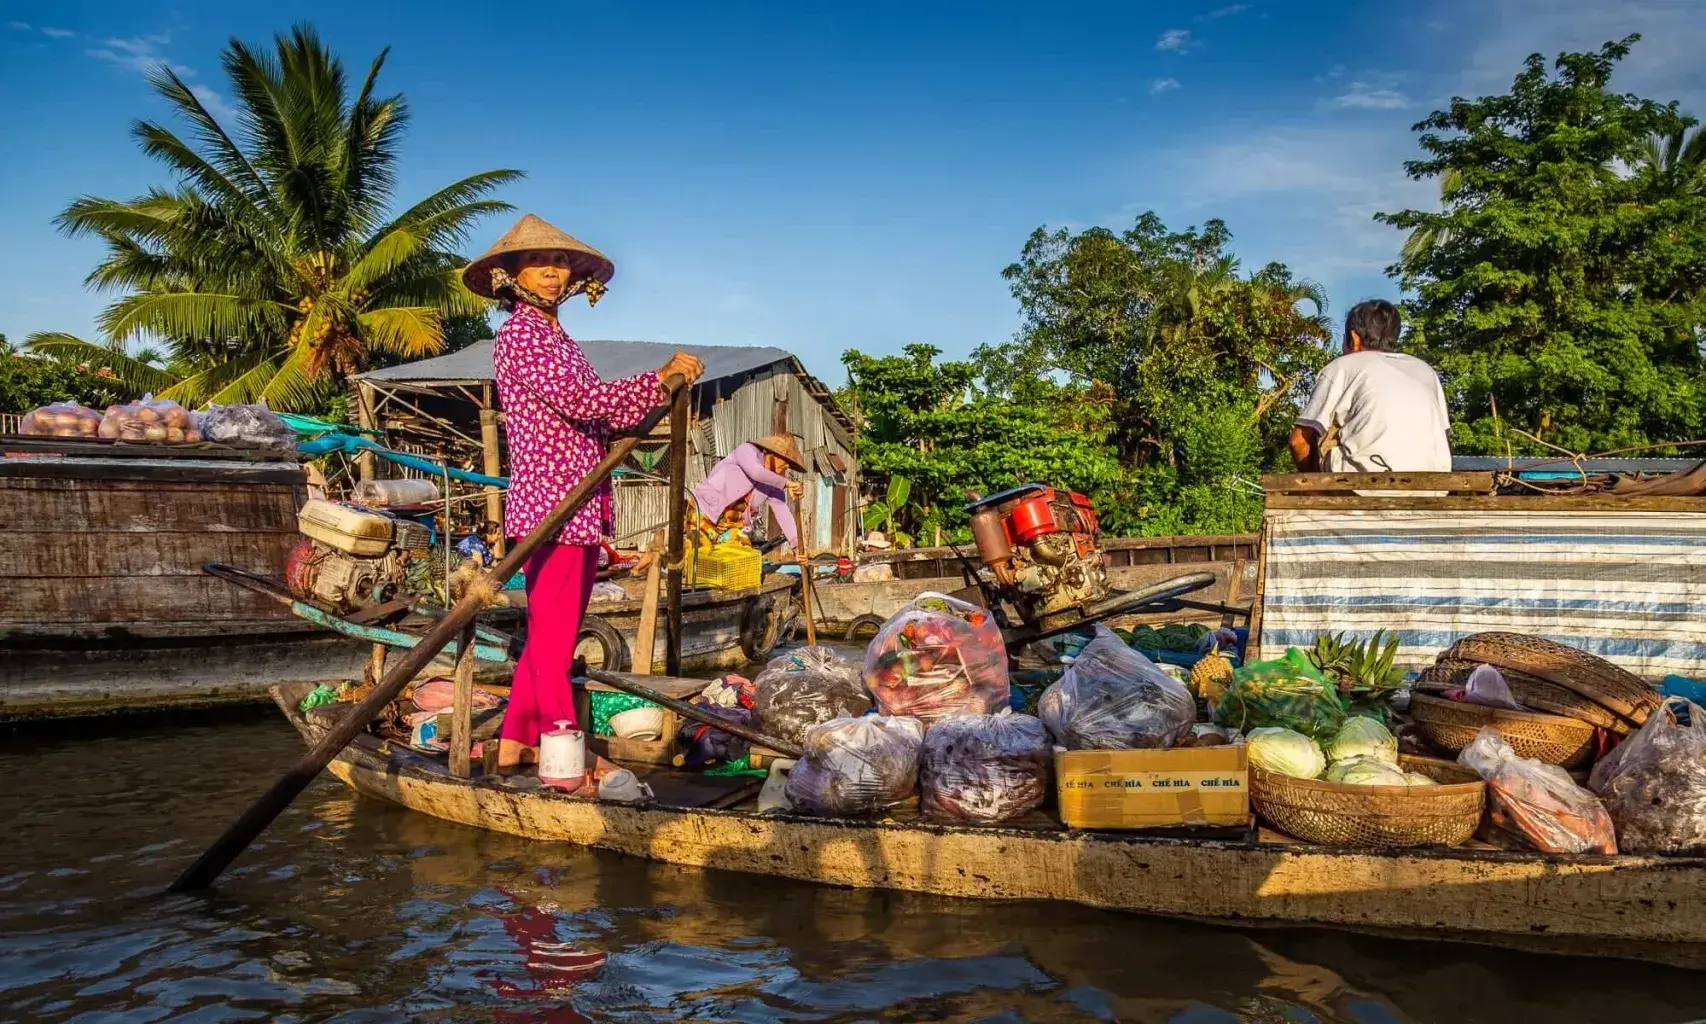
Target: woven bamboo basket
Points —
{"points": [[1452, 725], [1344, 815], [1592, 677], [1529, 691]]}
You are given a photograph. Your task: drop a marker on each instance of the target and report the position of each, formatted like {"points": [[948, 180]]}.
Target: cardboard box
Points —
{"points": [[1153, 788]]}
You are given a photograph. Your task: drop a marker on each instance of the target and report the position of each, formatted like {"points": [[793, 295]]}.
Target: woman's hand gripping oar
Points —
{"points": [[254, 821]]}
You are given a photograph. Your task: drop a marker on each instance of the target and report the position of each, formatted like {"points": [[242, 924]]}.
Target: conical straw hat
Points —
{"points": [[782, 446], [532, 234]]}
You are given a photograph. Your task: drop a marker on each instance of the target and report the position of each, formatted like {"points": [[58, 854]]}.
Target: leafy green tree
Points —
{"points": [[27, 382], [1562, 295], [275, 265]]}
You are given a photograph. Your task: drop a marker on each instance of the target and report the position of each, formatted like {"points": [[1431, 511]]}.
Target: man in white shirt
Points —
{"points": [[1374, 410]]}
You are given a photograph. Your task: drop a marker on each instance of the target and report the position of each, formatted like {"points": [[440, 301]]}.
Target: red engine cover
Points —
{"points": [[1033, 516]]}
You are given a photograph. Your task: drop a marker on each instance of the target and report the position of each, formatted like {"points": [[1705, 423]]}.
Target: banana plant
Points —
{"points": [[881, 514]]}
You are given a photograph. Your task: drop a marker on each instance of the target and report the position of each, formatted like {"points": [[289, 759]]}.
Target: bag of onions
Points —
{"points": [[61, 419], [150, 419]]}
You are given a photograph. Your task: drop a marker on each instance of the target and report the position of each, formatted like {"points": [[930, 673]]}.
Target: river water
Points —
{"points": [[352, 910]]}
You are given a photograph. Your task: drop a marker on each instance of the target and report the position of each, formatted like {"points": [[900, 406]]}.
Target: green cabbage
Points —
{"points": [[1418, 779], [1366, 771], [1363, 737], [1285, 752]]}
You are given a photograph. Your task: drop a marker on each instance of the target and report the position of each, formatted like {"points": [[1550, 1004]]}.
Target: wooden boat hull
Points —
{"points": [[1641, 907]]}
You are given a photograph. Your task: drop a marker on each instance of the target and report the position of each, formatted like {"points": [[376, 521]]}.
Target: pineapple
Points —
{"points": [[1210, 676], [1358, 664]]}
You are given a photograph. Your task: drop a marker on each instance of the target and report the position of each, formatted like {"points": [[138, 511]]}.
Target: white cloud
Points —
{"points": [[1366, 96], [1223, 12], [1178, 40], [1158, 86], [18, 26], [139, 53], [224, 112], [1336, 71], [57, 33]]}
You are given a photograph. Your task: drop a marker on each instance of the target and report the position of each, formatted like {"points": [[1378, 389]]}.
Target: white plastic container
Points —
{"points": [[346, 529], [390, 493], [562, 757]]}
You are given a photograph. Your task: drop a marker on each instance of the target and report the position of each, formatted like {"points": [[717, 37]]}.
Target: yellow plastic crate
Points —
{"points": [[727, 567]]}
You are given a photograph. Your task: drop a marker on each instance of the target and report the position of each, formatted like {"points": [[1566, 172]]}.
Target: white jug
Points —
{"points": [[562, 757]]}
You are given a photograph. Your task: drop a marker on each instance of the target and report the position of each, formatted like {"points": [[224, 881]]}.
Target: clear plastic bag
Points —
{"points": [[1113, 698], [1537, 802], [853, 767], [247, 426], [150, 419], [1654, 783], [804, 688], [1486, 686], [61, 419], [984, 768], [938, 656]]}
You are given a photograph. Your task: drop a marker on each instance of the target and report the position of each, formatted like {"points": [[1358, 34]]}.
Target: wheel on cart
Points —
{"points": [[601, 645], [760, 628], [864, 628]]}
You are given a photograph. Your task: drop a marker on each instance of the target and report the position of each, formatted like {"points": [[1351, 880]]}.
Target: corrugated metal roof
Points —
{"points": [[611, 359]]}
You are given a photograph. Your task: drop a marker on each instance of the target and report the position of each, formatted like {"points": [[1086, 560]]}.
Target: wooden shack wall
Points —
{"points": [[114, 558]]}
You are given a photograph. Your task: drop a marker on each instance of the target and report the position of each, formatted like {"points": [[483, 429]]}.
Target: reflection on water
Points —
{"points": [[351, 910]]}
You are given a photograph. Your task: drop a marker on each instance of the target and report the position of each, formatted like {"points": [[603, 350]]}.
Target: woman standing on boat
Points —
{"points": [[558, 415]]}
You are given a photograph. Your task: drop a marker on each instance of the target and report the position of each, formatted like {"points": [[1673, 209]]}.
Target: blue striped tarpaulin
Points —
{"points": [[1627, 586]]}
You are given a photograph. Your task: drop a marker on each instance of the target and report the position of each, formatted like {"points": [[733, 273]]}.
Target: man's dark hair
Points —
{"points": [[1376, 322]]}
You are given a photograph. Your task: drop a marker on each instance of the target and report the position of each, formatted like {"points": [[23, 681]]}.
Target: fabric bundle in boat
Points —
{"points": [[984, 768], [1113, 698], [804, 688], [856, 767], [936, 657]]}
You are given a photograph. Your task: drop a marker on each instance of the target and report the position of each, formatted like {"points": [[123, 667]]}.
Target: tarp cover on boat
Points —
{"points": [[1627, 586]]}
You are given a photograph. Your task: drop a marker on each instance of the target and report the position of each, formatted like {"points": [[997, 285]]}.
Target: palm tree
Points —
{"points": [[273, 266], [1676, 160], [1426, 239]]}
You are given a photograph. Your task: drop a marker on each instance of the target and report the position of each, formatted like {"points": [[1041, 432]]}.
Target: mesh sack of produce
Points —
{"points": [[854, 767], [1113, 698], [1287, 692], [984, 768], [246, 426], [1654, 783], [150, 419], [807, 687], [61, 419], [1537, 802], [938, 656]]}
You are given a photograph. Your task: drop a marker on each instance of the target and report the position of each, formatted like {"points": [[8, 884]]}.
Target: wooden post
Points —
{"points": [[805, 573], [217, 857], [494, 465], [677, 522], [375, 665], [367, 420], [645, 640], [461, 707]]}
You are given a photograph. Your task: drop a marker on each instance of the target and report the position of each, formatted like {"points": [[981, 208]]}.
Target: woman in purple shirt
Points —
{"points": [[753, 474], [558, 415]]}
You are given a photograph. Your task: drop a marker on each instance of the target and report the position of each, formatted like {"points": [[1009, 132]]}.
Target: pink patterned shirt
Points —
{"points": [[537, 366]]}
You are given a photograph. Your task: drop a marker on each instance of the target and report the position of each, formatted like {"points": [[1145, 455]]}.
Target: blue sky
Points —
{"points": [[822, 176]]}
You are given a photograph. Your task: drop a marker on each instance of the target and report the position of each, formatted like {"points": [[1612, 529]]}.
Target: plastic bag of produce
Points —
{"points": [[1654, 783], [1363, 737], [1486, 685], [61, 419], [150, 419], [851, 767], [1537, 802], [1286, 752], [1113, 698], [984, 768], [1288, 692], [938, 656], [804, 688], [246, 426]]}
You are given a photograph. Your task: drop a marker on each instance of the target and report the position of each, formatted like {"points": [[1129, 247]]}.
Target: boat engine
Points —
{"points": [[1043, 548], [351, 557]]}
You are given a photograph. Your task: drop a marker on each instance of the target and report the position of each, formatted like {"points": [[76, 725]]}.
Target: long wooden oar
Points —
{"points": [[254, 821], [805, 576], [693, 711]]}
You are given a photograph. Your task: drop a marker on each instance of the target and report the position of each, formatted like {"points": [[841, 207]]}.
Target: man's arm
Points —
{"points": [[1305, 448]]}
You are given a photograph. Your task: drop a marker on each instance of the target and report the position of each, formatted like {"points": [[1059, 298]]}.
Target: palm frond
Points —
{"points": [[457, 194], [291, 388], [410, 331], [192, 315], [68, 348]]}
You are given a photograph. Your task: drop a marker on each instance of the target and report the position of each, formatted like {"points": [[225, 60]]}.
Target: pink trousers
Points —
{"points": [[559, 585]]}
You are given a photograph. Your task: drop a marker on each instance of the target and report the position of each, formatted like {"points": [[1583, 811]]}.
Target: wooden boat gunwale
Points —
{"points": [[1641, 907]]}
